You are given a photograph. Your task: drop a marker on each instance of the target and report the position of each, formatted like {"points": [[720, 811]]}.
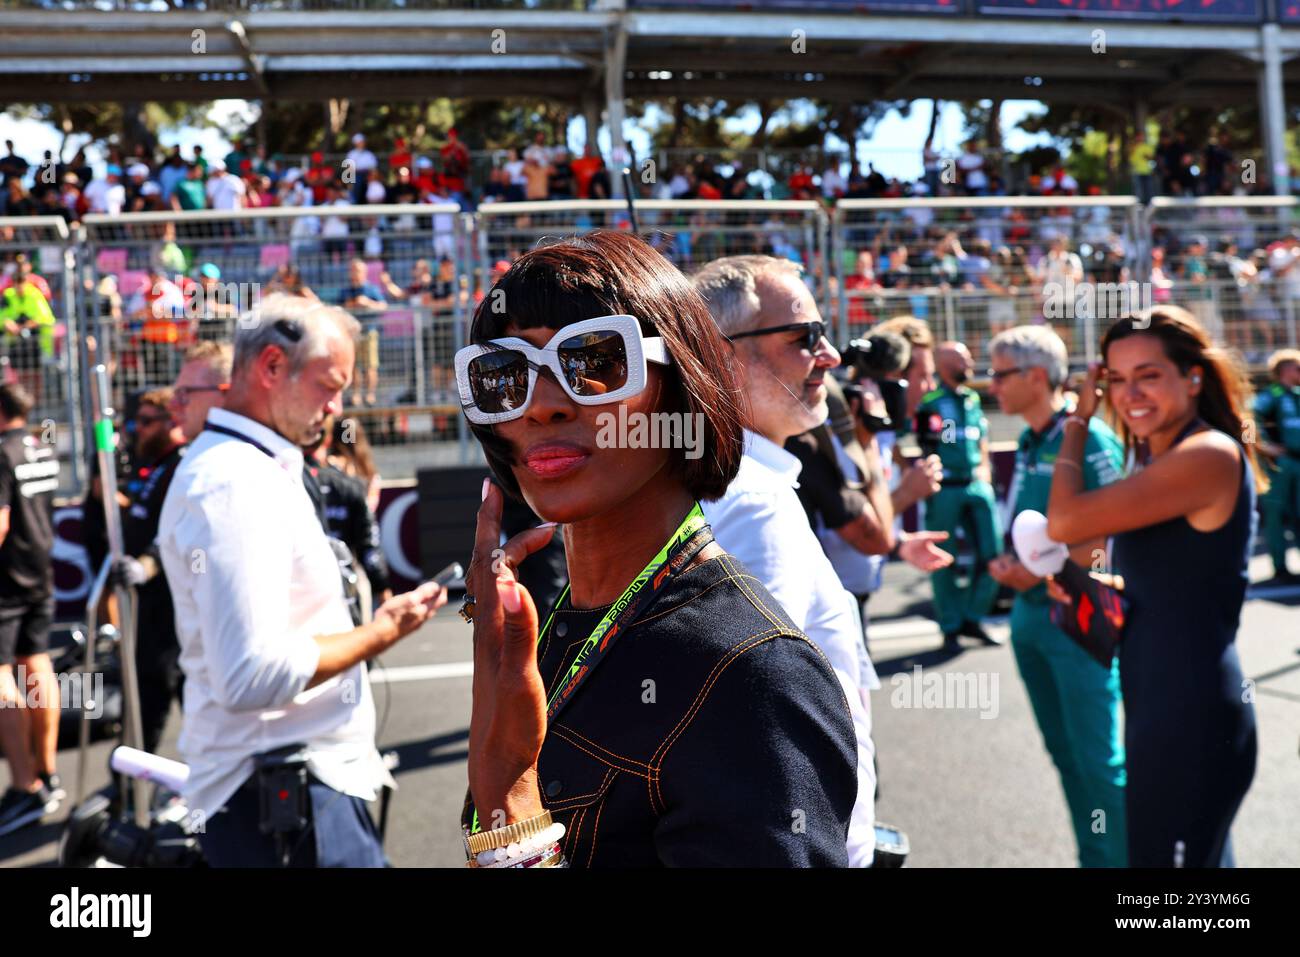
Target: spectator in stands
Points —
{"points": [[45, 178], [159, 308], [897, 274], [360, 161], [1218, 160], [404, 189], [514, 168], [376, 192], [288, 279], [137, 174], [834, 185], [560, 183], [1195, 291], [172, 172], [13, 167], [237, 156], [201, 161], [497, 188], [225, 190], [106, 195], [400, 156], [215, 305], [334, 230], [585, 168], [366, 299], [191, 192], [455, 166], [17, 200], [538, 151], [362, 295], [970, 165], [537, 174], [51, 204], [28, 325]]}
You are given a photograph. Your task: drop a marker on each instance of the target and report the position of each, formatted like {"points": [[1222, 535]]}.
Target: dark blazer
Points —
{"points": [[713, 734]]}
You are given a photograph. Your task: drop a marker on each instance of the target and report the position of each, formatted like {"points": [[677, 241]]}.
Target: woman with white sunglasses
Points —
{"points": [[665, 712]]}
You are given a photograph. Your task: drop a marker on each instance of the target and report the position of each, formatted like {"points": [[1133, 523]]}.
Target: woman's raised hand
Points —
{"points": [[508, 719]]}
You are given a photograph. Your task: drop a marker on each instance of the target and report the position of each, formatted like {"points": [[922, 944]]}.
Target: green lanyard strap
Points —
{"points": [[691, 536]]}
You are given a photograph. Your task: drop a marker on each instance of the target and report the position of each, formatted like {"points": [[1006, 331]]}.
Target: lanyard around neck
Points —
{"points": [[684, 544], [691, 536], [234, 434]]}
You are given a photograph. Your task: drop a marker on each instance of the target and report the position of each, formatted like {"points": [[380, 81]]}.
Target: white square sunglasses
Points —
{"points": [[595, 361]]}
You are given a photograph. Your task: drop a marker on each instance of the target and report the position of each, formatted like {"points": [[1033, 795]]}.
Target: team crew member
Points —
{"points": [[782, 357], [1278, 412], [1182, 526], [951, 422], [159, 443], [29, 710], [1076, 702], [271, 660]]}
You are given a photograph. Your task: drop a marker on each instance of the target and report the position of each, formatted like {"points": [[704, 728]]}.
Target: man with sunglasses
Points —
{"points": [[1075, 702], [159, 445], [764, 308], [201, 385]]}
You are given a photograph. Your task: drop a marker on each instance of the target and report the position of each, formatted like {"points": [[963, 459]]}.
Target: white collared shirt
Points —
{"points": [[253, 579], [761, 522]]}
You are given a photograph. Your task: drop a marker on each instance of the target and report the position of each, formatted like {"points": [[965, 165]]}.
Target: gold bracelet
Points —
{"points": [[501, 836]]}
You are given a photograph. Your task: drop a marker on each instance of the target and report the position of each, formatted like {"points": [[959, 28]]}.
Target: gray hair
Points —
{"points": [[1034, 347], [301, 327], [730, 288]]}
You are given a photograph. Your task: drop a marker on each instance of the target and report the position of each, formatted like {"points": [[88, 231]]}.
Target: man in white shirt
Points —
{"points": [[361, 161], [270, 657], [756, 300], [225, 190], [107, 195]]}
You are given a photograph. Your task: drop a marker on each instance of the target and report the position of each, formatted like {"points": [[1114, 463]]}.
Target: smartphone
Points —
{"points": [[453, 572]]}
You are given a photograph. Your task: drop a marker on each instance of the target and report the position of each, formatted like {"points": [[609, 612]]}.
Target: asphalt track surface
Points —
{"points": [[968, 790]]}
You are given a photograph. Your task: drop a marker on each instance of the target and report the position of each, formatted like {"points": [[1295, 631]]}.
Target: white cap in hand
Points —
{"points": [[1036, 551]]}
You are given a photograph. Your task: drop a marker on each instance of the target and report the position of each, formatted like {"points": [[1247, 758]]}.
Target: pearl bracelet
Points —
{"points": [[516, 853]]}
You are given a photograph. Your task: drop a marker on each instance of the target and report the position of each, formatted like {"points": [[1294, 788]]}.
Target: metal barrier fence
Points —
{"points": [[689, 233], [1249, 224], [432, 265], [164, 281], [40, 332], [932, 254]]}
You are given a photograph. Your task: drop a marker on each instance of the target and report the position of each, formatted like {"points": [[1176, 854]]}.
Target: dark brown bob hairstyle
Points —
{"points": [[606, 273]]}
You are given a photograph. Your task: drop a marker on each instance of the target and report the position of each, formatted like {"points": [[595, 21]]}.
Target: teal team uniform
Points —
{"points": [[954, 417], [1278, 411], [1076, 702]]}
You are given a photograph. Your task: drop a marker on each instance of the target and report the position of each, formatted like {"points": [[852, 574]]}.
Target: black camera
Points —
{"points": [[880, 357], [94, 833]]}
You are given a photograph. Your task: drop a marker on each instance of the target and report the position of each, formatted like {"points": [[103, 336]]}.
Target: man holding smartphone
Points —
{"points": [[274, 669]]}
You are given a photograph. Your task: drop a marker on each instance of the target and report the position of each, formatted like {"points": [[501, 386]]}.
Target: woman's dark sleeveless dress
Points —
{"points": [[1189, 725]]}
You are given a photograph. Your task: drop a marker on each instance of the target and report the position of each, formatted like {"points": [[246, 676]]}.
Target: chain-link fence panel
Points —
{"points": [[689, 233], [39, 332]]}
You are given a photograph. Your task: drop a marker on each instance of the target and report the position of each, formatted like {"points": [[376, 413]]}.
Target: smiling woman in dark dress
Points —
{"points": [[1182, 523], [670, 714]]}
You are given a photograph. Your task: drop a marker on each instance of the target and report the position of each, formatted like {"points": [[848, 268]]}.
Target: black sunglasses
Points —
{"points": [[997, 375], [813, 333]]}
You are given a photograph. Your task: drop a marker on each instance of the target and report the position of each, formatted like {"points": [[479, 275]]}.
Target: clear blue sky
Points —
{"points": [[894, 147]]}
